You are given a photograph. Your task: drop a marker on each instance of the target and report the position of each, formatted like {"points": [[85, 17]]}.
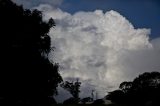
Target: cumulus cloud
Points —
{"points": [[102, 49], [34, 3]]}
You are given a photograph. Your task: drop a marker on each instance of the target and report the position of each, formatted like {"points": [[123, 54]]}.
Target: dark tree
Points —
{"points": [[116, 96], [143, 90], [26, 74], [125, 86], [146, 87], [69, 101], [147, 80], [86, 99], [99, 101], [73, 88]]}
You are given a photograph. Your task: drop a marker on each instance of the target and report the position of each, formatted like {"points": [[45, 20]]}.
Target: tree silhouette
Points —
{"points": [[116, 96], [73, 88], [144, 89], [86, 99], [125, 86], [26, 75], [99, 102], [70, 100]]}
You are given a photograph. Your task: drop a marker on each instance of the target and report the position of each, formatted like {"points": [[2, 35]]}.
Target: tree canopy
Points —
{"points": [[26, 75], [142, 90], [74, 90]]}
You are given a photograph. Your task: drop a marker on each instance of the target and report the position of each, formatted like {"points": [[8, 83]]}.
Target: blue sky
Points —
{"points": [[141, 13]]}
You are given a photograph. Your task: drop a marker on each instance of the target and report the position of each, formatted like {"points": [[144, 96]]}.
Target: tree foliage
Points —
{"points": [[99, 102], [125, 86], [73, 88], [26, 74], [70, 101], [86, 99], [142, 90]]}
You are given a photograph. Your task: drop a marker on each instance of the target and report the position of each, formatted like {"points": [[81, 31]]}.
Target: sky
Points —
{"points": [[139, 12], [102, 42]]}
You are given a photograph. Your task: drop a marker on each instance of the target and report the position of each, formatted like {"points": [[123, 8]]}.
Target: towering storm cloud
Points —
{"points": [[101, 49]]}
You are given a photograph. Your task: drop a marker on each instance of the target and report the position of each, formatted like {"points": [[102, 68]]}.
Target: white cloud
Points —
{"points": [[102, 49]]}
